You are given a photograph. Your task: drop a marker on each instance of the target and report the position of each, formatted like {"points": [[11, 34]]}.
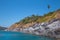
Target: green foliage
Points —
{"points": [[35, 18], [49, 14]]}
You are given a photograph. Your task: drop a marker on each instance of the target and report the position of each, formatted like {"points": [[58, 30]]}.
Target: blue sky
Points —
{"points": [[12, 11]]}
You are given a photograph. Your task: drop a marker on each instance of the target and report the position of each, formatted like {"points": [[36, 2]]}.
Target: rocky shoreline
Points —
{"points": [[47, 25], [50, 29]]}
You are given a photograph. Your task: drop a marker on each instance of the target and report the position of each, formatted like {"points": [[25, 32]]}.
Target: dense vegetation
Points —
{"points": [[37, 18], [31, 20]]}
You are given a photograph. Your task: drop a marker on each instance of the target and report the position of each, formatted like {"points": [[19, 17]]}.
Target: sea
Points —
{"points": [[7, 35]]}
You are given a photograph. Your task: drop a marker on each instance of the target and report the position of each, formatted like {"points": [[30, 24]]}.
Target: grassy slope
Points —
{"points": [[34, 19], [39, 19]]}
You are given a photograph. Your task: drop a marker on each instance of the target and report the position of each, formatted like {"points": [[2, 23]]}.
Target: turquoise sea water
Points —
{"points": [[20, 36]]}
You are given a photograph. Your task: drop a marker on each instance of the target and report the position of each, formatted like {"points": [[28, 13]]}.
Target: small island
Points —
{"points": [[29, 19], [47, 25]]}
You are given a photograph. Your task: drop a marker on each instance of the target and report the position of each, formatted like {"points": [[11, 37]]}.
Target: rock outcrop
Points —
{"points": [[47, 25]]}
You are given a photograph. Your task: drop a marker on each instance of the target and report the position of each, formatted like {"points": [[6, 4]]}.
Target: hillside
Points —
{"points": [[31, 20], [2, 28]]}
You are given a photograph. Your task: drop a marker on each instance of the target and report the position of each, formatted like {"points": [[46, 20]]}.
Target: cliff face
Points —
{"points": [[47, 25], [30, 21]]}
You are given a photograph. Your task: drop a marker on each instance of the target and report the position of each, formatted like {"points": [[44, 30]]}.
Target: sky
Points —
{"points": [[12, 11]]}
